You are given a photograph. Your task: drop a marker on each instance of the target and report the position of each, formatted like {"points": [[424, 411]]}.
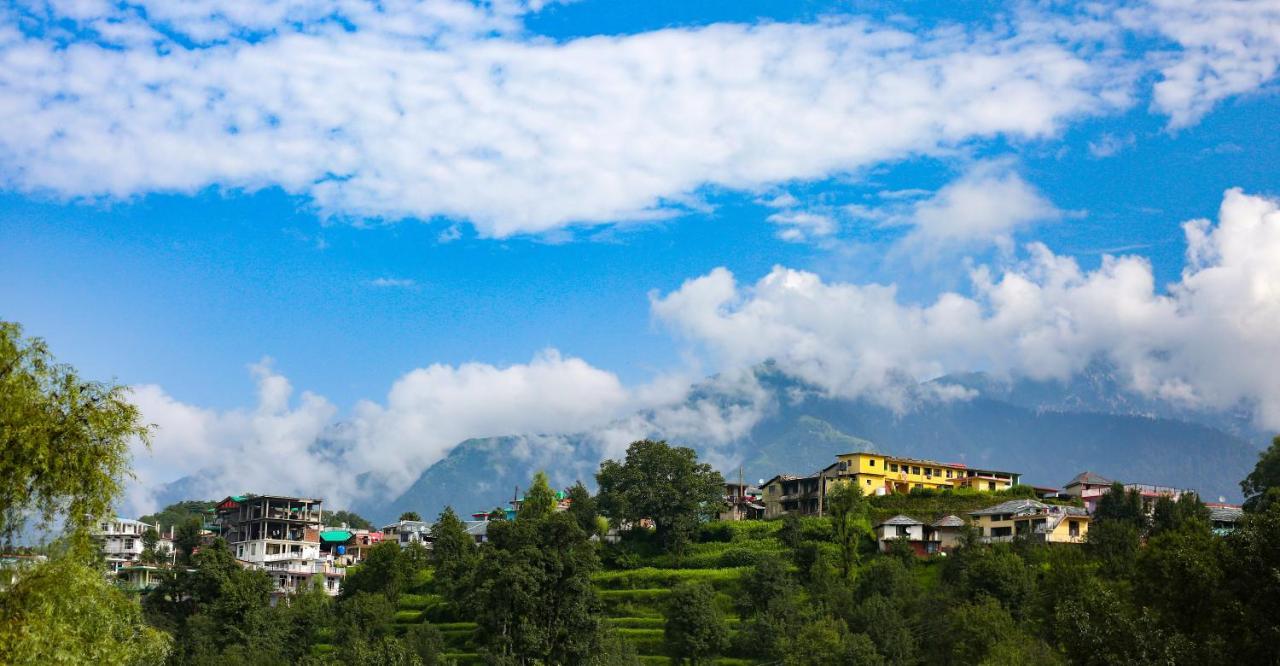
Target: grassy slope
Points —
{"points": [[634, 597]]}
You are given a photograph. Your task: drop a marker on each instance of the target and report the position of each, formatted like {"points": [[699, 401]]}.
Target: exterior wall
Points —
{"points": [[947, 537], [260, 551], [120, 541], [879, 474], [997, 528], [889, 532]]}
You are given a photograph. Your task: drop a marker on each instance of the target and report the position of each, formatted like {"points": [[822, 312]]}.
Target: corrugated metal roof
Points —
{"points": [[901, 520], [949, 521]]}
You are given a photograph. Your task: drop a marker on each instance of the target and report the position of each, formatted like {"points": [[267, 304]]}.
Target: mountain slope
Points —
{"points": [[803, 430]]}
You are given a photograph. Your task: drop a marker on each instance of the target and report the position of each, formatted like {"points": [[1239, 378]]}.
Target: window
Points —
{"points": [[991, 485], [1073, 528], [937, 472], [915, 470], [893, 467], [872, 462], [948, 474], [868, 482], [903, 531]]}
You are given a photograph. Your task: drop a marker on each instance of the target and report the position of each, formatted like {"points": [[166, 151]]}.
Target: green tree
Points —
{"points": [[1252, 560], [411, 515], [540, 500], [1180, 578], [1170, 515], [1263, 479], [381, 572], [426, 641], [1123, 506], [63, 612], [848, 510], [173, 515], [186, 538], [582, 506], [454, 557], [362, 617], [1114, 544], [694, 632], [350, 519], [533, 597], [150, 540], [661, 483], [65, 439]]}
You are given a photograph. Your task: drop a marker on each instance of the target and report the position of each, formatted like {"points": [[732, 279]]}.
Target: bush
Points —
{"points": [[715, 532], [740, 557]]}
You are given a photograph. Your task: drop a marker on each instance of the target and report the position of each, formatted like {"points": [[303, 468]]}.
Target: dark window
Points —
{"points": [[893, 467], [872, 462], [915, 470]]}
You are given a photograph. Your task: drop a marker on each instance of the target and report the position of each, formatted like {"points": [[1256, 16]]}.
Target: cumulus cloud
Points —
{"points": [[1207, 341], [305, 446], [1224, 48], [447, 110], [988, 204]]}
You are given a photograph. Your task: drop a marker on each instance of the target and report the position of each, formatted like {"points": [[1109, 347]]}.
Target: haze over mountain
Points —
{"points": [[1045, 430]]}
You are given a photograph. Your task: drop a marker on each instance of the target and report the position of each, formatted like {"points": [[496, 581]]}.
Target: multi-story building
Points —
{"points": [[742, 502], [878, 474], [785, 494], [1049, 523], [268, 528], [1090, 488], [280, 535], [405, 532], [121, 541]]}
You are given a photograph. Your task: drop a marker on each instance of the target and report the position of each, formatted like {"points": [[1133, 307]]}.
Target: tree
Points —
{"points": [[1121, 506], [533, 596], [150, 539], [848, 510], [1252, 556], [1170, 515], [694, 631], [186, 539], [65, 439], [661, 483], [540, 500], [173, 515], [411, 515], [1265, 476], [454, 557], [381, 572], [63, 612], [350, 519], [426, 641], [582, 506], [1114, 544]]}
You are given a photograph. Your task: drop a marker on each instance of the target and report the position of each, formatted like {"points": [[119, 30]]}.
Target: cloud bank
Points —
{"points": [[442, 109], [1206, 341]]}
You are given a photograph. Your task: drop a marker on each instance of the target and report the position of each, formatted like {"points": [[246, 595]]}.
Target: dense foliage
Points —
{"points": [[661, 483]]}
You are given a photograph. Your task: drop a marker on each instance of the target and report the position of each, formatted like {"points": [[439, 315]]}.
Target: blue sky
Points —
{"points": [[187, 191]]}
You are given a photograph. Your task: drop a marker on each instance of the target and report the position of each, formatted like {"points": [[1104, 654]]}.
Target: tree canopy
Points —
{"points": [[662, 483], [65, 438], [1262, 486]]}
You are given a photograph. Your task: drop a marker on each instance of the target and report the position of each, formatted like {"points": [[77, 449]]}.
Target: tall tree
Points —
{"points": [[1262, 486], [381, 572], [533, 594], [694, 632], [540, 500], [65, 439], [848, 510], [411, 515], [661, 483], [582, 506], [454, 557]]}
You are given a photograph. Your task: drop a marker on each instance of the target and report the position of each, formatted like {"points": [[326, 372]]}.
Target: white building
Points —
{"points": [[121, 541], [280, 535], [405, 532]]}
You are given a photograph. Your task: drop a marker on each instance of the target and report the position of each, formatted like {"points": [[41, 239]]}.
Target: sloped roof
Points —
{"points": [[949, 521], [1012, 506], [900, 520], [1225, 514], [1088, 478]]}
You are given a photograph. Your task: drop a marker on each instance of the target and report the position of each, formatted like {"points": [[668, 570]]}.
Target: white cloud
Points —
{"points": [[800, 226], [1226, 47], [1208, 341], [1110, 144], [393, 283], [513, 133], [988, 204]]}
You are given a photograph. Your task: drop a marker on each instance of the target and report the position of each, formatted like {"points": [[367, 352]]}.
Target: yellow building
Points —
{"points": [[878, 474], [1048, 523]]}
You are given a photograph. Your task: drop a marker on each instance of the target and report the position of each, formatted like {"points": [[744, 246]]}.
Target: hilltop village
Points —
{"points": [[288, 537]]}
